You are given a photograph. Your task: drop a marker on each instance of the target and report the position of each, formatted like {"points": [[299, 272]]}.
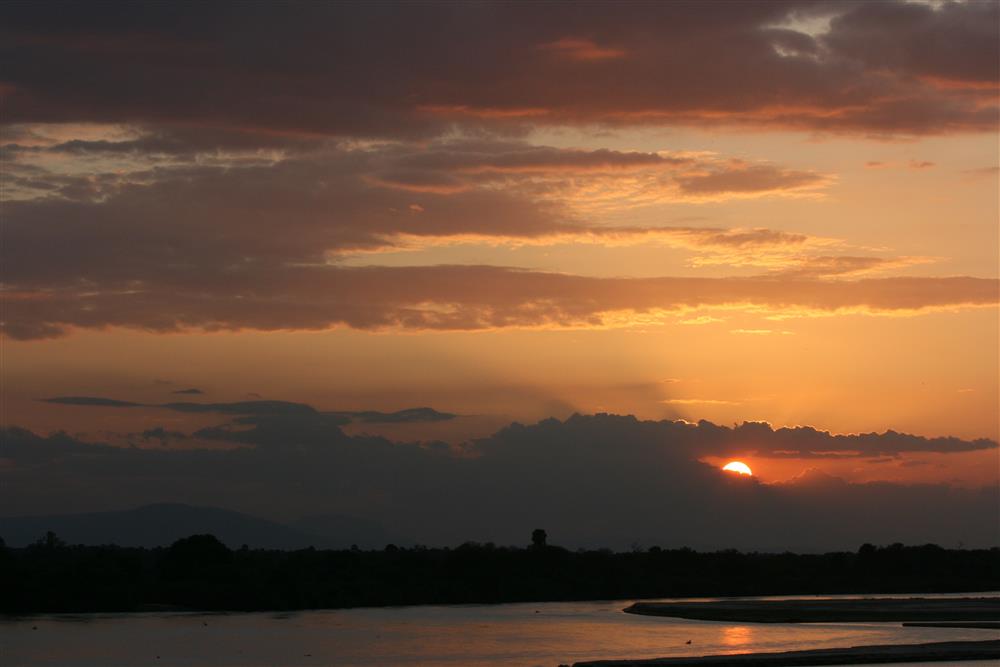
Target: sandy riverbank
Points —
{"points": [[856, 655], [828, 610]]}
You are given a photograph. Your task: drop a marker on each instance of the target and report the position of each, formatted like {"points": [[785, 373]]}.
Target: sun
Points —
{"points": [[738, 467]]}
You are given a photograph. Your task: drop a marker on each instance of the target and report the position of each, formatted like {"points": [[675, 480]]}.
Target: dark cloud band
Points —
{"points": [[882, 67]]}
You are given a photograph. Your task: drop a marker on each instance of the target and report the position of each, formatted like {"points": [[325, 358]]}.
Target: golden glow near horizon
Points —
{"points": [[738, 467]]}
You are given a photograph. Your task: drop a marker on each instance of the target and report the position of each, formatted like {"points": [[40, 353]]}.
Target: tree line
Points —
{"points": [[201, 573]]}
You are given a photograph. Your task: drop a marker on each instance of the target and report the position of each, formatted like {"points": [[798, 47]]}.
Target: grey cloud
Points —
{"points": [[485, 65], [173, 141], [750, 438], [162, 434], [591, 481], [191, 391], [259, 411], [92, 401], [517, 157], [409, 415], [956, 41], [281, 432], [244, 408], [195, 216], [787, 41], [25, 448], [804, 440], [237, 408]]}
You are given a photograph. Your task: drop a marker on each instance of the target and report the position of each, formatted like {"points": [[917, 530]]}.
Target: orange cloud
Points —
{"points": [[752, 180], [582, 50], [467, 298]]}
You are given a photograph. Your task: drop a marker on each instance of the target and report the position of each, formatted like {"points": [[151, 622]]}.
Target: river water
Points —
{"points": [[548, 634]]}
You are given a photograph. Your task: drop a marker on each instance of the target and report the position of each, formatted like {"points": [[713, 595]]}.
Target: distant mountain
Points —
{"points": [[163, 524]]}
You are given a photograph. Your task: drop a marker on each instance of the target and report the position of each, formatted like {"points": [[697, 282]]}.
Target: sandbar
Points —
{"points": [[855, 655], [828, 610]]}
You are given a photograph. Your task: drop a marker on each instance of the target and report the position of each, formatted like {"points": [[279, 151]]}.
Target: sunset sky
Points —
{"points": [[781, 212]]}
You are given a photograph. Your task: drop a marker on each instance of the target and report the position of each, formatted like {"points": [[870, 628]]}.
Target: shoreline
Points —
{"points": [[983, 625], [858, 655], [916, 609]]}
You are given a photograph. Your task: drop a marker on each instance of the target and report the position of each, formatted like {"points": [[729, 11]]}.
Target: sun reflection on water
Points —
{"points": [[737, 636]]}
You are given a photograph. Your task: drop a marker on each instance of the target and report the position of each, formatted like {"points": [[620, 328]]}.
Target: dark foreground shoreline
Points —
{"points": [[915, 609], [201, 573], [856, 655]]}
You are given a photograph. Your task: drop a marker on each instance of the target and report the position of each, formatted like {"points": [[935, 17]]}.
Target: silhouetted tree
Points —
{"points": [[50, 541], [199, 572], [538, 538], [197, 557]]}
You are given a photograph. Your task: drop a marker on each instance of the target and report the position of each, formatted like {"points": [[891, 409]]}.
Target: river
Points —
{"points": [[544, 633]]}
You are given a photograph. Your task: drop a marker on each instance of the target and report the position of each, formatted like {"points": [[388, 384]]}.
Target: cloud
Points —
{"points": [[911, 164], [581, 50], [91, 401], [579, 180], [205, 255], [407, 416], [336, 202], [25, 449], [191, 391], [262, 408], [750, 181], [828, 266], [884, 67], [697, 440], [698, 401], [162, 434], [455, 298], [716, 246], [237, 408], [148, 198], [590, 480], [922, 40], [244, 408]]}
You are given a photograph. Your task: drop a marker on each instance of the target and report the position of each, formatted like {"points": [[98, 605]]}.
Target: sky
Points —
{"points": [[239, 236]]}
